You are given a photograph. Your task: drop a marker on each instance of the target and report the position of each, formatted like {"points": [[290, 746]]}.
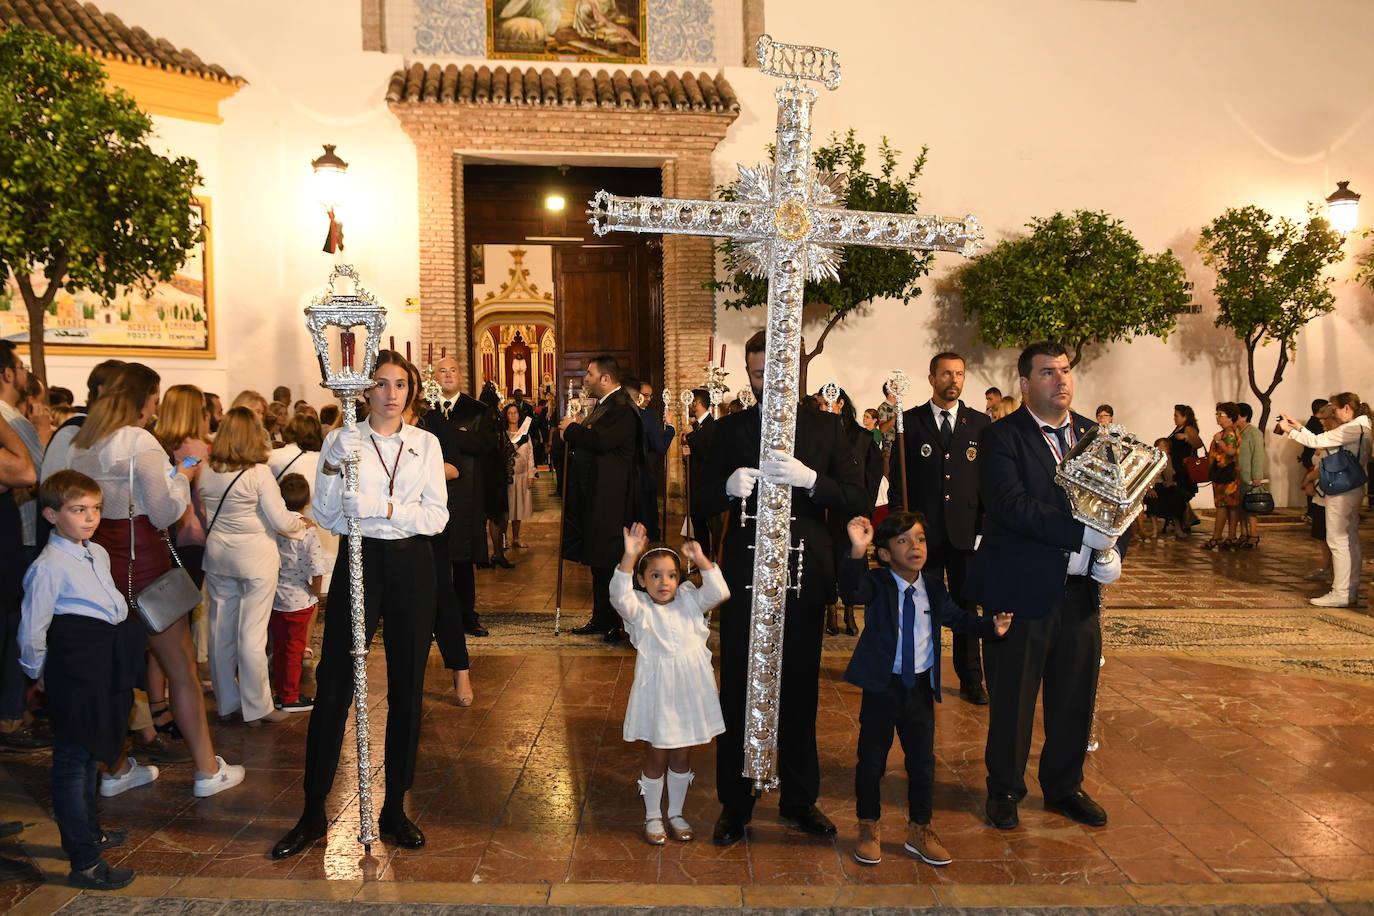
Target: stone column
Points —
{"points": [[443, 264]]}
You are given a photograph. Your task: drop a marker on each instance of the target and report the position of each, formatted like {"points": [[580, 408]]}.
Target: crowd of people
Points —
{"points": [[100, 504]]}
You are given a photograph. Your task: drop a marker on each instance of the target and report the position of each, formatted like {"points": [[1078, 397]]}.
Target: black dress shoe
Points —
{"points": [[591, 629], [483, 564], [729, 827], [478, 630], [1001, 811], [1079, 807], [18, 870], [300, 836], [10, 828], [809, 820], [24, 738], [399, 830], [974, 693], [614, 636], [503, 563]]}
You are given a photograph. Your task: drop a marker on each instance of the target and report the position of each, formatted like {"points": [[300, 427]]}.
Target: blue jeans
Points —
{"points": [[74, 791]]}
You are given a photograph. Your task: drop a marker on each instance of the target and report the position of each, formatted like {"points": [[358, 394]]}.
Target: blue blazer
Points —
{"points": [[875, 654], [1028, 531]]}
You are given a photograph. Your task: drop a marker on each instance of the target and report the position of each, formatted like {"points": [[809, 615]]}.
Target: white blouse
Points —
{"points": [[419, 496], [1347, 435], [158, 494], [242, 541]]}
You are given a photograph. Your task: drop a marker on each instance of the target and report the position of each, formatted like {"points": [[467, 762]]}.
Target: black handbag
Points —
{"points": [[1257, 501]]}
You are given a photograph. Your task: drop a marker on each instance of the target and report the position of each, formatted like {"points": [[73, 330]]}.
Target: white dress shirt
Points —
{"points": [[158, 494], [953, 413], [419, 499], [1080, 561], [925, 621], [57, 456], [242, 539], [67, 578]]}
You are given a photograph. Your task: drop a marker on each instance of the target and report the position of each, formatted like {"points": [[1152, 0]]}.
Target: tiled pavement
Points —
{"points": [[1226, 785]]}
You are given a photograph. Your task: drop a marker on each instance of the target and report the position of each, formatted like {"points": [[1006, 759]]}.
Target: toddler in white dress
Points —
{"points": [[673, 704]]}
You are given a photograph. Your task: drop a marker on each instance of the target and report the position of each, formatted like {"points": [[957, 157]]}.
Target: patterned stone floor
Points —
{"points": [[1236, 774]]}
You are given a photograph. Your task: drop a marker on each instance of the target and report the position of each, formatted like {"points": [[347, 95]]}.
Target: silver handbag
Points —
{"points": [[169, 597]]}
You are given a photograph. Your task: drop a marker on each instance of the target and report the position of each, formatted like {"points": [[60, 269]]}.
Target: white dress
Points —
{"points": [[673, 701]]}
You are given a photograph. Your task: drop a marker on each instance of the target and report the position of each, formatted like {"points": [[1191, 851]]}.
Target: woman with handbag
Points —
{"points": [[1342, 479], [143, 495], [1221, 463], [401, 503], [1190, 469], [241, 564], [1253, 477]]}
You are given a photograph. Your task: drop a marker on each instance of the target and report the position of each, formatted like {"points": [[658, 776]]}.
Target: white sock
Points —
{"points": [[677, 790], [652, 790]]}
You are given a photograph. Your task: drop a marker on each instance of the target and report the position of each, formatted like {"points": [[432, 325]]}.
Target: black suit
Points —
{"points": [[820, 445], [603, 493], [942, 484], [1055, 639], [699, 441]]}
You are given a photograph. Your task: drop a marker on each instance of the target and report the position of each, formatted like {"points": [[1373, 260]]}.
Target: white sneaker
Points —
{"points": [[137, 775], [1330, 599], [228, 776]]}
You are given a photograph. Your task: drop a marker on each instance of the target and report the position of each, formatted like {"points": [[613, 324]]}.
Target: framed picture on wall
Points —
{"points": [[176, 319], [477, 263], [595, 31]]}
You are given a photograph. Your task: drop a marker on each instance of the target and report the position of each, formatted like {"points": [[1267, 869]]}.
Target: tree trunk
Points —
{"points": [[815, 351], [1264, 395], [37, 306], [1077, 353]]}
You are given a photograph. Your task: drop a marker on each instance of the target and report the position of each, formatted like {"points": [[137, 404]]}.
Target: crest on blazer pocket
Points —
{"points": [[925, 450], [972, 453]]}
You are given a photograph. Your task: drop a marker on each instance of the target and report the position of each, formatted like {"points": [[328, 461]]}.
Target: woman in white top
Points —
{"points": [[401, 500], [113, 438], [246, 512], [519, 498], [1342, 509], [301, 453]]}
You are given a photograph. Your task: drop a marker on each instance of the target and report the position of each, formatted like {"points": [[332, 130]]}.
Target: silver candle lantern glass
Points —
{"points": [[346, 311]]}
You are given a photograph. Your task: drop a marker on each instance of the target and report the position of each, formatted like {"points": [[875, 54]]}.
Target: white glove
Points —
{"points": [[1106, 567], [344, 445], [741, 483], [1097, 540], [785, 470], [363, 505]]}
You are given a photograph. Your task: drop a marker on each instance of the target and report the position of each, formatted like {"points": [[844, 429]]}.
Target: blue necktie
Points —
{"points": [[1062, 434], [909, 637]]}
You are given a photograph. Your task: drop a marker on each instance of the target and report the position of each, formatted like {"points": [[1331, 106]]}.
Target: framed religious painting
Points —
{"points": [[592, 31], [175, 319]]}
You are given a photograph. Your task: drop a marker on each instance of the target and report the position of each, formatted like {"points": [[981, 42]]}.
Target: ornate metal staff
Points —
{"points": [[360, 309], [663, 527], [788, 226], [686, 399], [830, 393], [897, 384], [746, 397]]}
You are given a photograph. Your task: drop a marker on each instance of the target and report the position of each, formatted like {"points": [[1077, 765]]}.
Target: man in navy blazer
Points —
{"points": [[897, 663], [1038, 562]]}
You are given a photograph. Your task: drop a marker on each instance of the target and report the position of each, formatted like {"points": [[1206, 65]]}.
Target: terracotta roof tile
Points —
{"points": [[108, 36], [474, 85]]}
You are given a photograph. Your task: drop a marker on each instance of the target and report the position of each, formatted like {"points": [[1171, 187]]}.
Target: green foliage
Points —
{"points": [[83, 198], [1365, 272], [1079, 280], [867, 273], [1270, 281]]}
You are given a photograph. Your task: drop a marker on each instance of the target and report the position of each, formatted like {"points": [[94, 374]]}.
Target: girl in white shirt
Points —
{"points": [[1342, 509], [245, 513], [401, 500]]}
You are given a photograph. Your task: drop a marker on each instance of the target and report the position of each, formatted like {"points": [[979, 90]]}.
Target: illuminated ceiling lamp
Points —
{"points": [[329, 187], [1343, 208]]}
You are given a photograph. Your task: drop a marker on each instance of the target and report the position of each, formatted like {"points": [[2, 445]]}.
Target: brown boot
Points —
{"points": [[832, 624], [869, 850], [850, 627], [922, 843]]}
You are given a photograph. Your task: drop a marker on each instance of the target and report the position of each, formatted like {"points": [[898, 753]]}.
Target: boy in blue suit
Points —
{"points": [[897, 663]]}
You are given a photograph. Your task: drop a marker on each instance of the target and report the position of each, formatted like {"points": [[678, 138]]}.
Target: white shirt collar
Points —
{"points": [[903, 585], [1041, 422], [953, 412], [79, 550], [602, 400]]}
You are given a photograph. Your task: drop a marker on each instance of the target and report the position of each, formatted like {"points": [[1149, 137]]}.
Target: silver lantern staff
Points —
{"points": [[830, 393], [686, 399], [897, 384], [746, 397], [667, 407], [360, 309], [788, 224]]}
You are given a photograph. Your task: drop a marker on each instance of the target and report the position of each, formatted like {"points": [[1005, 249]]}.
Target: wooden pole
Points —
{"points": [[562, 512]]}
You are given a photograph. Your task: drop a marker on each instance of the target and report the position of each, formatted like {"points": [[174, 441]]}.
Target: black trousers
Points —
{"points": [[603, 613], [1058, 653], [909, 712], [399, 587], [465, 588], [701, 530], [449, 630], [947, 563], [799, 768]]}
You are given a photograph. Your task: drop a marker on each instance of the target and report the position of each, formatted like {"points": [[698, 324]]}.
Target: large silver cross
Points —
{"points": [[790, 226]]}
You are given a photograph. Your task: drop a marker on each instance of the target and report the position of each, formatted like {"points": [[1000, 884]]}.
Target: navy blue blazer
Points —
{"points": [[875, 654], [1028, 531]]}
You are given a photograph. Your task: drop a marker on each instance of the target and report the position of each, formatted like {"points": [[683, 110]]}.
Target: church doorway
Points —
{"points": [[544, 293]]}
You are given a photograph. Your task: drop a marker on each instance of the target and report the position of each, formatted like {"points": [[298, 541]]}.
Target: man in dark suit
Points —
{"points": [[823, 475], [697, 445], [602, 488], [658, 438], [941, 444], [1037, 562]]}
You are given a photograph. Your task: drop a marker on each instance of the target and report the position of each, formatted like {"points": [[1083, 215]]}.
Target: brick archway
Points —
{"points": [[674, 119]]}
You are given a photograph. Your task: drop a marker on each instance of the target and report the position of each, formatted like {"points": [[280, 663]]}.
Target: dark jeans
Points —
{"points": [[74, 803], [399, 588], [910, 713], [947, 562], [1059, 654]]}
